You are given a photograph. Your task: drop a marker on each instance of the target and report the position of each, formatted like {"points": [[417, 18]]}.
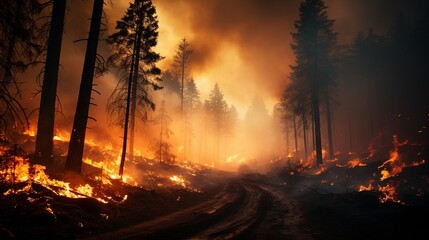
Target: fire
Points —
{"points": [[366, 188], [355, 162], [110, 168], [19, 170], [22, 172], [178, 180], [30, 132], [394, 162], [61, 136], [389, 194]]}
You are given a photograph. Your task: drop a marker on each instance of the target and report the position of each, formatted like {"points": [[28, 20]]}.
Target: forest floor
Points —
{"points": [[276, 205]]}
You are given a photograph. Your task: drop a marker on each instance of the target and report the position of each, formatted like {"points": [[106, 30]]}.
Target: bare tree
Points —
{"points": [[45, 123], [77, 138]]}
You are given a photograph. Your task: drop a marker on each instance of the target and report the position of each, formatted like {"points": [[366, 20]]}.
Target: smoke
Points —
{"points": [[243, 45]]}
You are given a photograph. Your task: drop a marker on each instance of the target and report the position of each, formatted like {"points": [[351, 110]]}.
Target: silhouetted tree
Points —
{"points": [[77, 138], [192, 104], [22, 37], [133, 45], [45, 123], [312, 45], [170, 83], [181, 63], [216, 109], [163, 147]]}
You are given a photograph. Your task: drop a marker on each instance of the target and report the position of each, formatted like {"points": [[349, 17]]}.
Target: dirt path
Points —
{"points": [[241, 210]]}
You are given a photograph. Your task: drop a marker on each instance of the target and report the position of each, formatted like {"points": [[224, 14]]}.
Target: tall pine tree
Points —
{"points": [[133, 55], [313, 44]]}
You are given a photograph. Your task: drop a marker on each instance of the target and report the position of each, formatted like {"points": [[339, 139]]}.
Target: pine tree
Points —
{"points": [[313, 44], [181, 63], [216, 109], [163, 147], [133, 43], [22, 38]]}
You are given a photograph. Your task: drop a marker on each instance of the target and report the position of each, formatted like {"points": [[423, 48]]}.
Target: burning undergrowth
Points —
{"points": [[399, 174], [36, 201]]}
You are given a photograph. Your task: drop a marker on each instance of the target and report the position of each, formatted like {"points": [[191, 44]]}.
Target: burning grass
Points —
{"points": [[399, 176]]}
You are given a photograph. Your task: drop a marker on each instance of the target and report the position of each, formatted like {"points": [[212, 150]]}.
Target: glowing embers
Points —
{"points": [[388, 192]]}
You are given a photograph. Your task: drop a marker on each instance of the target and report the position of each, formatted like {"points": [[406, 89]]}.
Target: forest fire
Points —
{"points": [[143, 123], [394, 165], [20, 170]]}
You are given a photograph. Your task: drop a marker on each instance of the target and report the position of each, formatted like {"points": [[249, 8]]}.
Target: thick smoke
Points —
{"points": [[244, 45]]}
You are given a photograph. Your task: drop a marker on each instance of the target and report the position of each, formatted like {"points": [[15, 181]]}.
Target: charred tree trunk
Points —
{"points": [[132, 83], [287, 139], [295, 133], [329, 122], [315, 103], [45, 123], [304, 131], [77, 139]]}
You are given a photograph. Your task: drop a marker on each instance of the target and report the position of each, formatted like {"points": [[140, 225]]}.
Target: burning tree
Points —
{"points": [[137, 34], [311, 77]]}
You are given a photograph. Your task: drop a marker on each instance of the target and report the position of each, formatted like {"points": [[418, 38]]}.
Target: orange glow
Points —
{"points": [[366, 188], [389, 194], [394, 162], [355, 162]]}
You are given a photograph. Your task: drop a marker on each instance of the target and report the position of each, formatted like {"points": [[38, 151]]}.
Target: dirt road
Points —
{"points": [[242, 209]]}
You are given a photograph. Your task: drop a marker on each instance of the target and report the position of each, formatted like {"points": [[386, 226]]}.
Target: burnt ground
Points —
{"points": [[278, 205], [250, 207]]}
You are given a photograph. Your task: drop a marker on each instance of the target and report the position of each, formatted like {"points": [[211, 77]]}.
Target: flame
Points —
{"points": [[355, 162], [394, 162], [366, 188], [30, 132], [20, 171], [110, 168], [178, 180], [389, 194], [62, 136]]}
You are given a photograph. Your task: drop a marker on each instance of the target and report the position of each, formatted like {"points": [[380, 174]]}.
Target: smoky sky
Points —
{"points": [[260, 32], [244, 45]]}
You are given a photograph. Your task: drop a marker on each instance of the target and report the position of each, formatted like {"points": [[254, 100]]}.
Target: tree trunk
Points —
{"points": [[45, 123], [295, 133], [77, 139], [134, 72], [304, 135], [315, 102], [329, 122]]}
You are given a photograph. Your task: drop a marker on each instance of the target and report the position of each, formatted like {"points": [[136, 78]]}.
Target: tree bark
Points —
{"points": [[77, 139], [45, 124]]}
